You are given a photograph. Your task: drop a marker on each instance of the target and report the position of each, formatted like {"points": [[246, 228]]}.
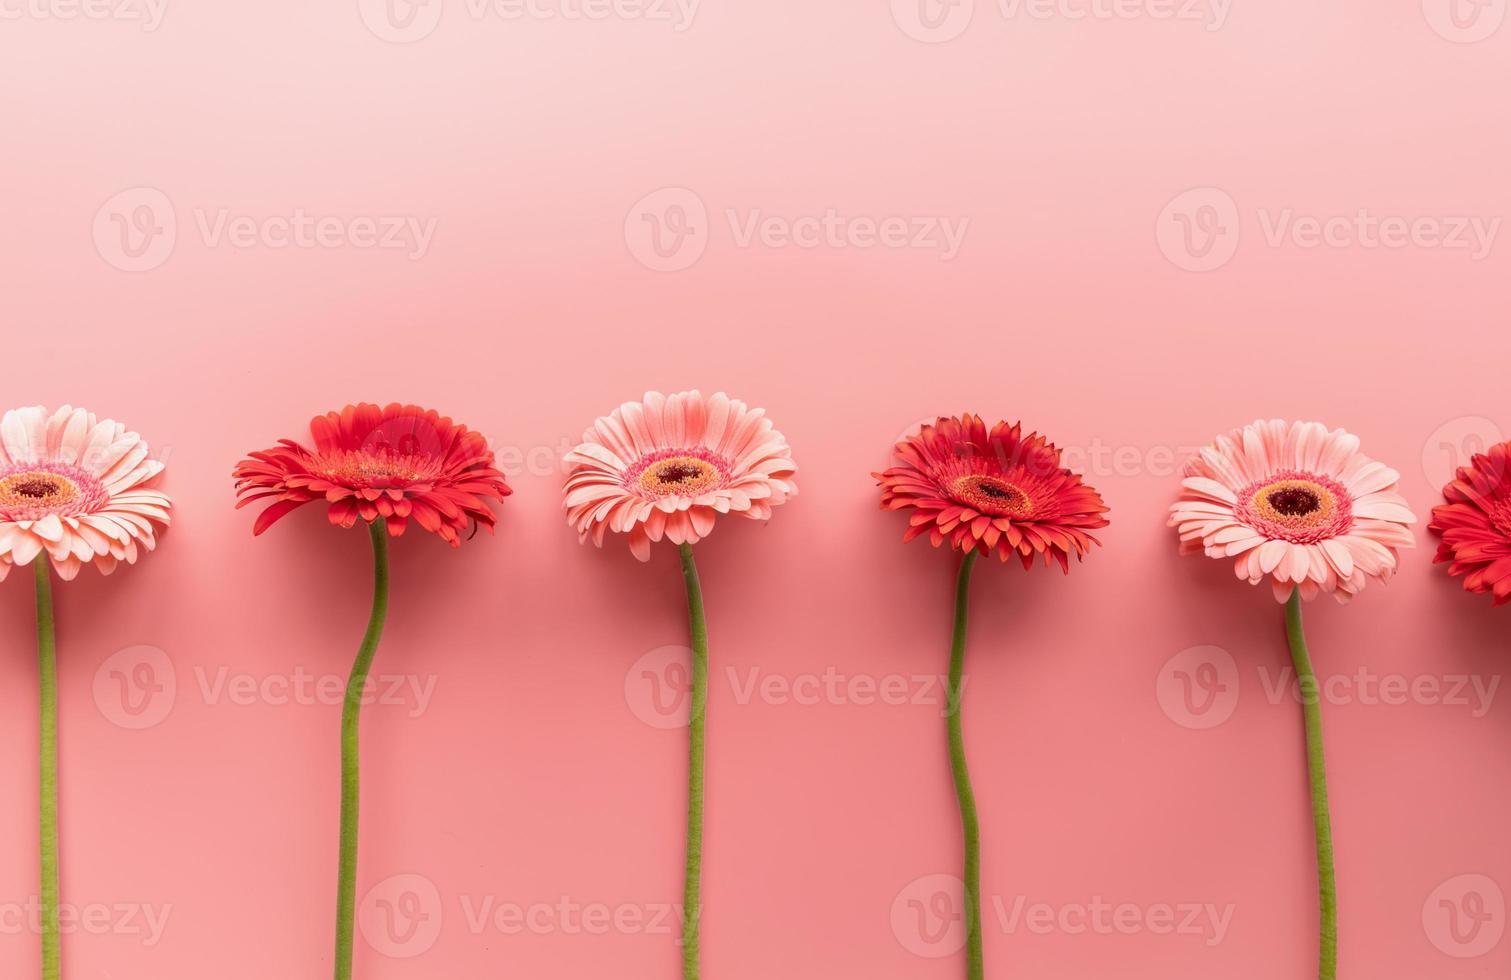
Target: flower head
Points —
{"points": [[388, 464], [668, 465], [78, 488], [1295, 502], [1475, 524], [994, 492]]}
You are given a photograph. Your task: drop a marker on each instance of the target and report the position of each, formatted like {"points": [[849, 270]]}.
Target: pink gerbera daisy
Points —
{"points": [[1475, 524], [667, 466], [1295, 502], [78, 488]]}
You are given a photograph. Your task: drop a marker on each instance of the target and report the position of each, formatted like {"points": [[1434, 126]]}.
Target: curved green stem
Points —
{"points": [[969, 822], [356, 685], [692, 882], [1327, 968], [48, 663]]}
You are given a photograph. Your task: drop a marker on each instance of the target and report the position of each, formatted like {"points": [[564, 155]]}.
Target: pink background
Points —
{"points": [[529, 780]]}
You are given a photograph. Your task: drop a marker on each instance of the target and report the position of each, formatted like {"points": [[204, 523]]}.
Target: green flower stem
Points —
{"points": [[970, 823], [346, 888], [692, 883], [1327, 968], [47, 660]]}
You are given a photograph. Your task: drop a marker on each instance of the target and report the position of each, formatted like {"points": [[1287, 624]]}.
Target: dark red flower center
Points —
{"points": [[1294, 501], [36, 488], [678, 472], [991, 495]]}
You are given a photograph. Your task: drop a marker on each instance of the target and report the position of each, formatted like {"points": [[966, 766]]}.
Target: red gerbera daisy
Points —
{"points": [[996, 491], [1475, 524], [393, 463]]}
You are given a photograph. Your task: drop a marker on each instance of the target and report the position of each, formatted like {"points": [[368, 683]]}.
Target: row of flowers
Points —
{"points": [[1294, 504]]}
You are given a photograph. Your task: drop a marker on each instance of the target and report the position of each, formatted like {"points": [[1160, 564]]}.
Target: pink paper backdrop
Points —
{"points": [[1131, 223]]}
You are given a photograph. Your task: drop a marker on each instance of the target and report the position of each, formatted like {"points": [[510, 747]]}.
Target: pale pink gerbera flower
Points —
{"points": [[667, 466], [1295, 502], [77, 488]]}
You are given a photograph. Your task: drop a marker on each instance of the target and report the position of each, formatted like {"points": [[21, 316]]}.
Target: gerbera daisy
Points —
{"points": [[1297, 503], [1475, 524], [1302, 505], [393, 464], [986, 493], [995, 492], [666, 467], [382, 466], [77, 489], [669, 465]]}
